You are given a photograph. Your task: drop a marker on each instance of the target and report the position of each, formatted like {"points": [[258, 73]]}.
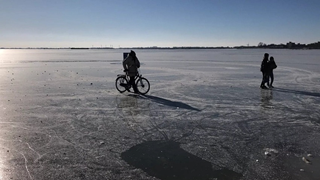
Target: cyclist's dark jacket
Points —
{"points": [[131, 64]]}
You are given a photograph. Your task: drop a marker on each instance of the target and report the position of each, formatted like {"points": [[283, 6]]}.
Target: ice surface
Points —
{"points": [[62, 118]]}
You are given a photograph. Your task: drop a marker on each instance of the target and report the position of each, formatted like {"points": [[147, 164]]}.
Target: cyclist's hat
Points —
{"points": [[132, 53]]}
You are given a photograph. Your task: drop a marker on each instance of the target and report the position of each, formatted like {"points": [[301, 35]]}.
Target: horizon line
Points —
{"points": [[260, 45]]}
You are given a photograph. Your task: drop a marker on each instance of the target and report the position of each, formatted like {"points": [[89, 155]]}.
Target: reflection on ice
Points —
{"points": [[266, 97]]}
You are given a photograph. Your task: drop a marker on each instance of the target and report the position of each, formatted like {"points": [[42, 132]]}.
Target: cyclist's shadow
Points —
{"points": [[167, 102]]}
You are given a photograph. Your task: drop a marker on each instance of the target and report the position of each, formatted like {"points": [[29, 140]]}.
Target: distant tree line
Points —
{"points": [[289, 45]]}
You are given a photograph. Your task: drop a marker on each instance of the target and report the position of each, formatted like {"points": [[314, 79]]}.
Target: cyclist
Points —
{"points": [[130, 65]]}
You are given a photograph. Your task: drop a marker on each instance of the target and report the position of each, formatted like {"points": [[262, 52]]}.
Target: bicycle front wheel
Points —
{"points": [[143, 85], [121, 84]]}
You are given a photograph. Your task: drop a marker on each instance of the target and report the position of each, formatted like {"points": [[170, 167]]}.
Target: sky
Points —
{"points": [[162, 23]]}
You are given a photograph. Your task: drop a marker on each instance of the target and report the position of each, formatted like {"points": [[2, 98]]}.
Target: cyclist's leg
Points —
{"points": [[133, 84]]}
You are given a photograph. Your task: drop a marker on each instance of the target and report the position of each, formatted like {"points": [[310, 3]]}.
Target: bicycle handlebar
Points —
{"points": [[126, 71]]}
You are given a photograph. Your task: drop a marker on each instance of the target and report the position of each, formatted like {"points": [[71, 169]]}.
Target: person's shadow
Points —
{"points": [[168, 161], [167, 102], [297, 92]]}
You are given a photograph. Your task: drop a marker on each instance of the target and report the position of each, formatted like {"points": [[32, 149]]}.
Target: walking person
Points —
{"points": [[264, 69], [130, 65], [271, 66]]}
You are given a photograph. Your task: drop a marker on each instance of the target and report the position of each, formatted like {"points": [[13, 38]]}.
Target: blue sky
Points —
{"points": [[164, 23]]}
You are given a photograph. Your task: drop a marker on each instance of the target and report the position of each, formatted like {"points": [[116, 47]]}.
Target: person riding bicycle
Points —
{"points": [[130, 65]]}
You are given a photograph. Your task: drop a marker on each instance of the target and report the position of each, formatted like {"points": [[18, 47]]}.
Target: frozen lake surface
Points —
{"points": [[204, 118]]}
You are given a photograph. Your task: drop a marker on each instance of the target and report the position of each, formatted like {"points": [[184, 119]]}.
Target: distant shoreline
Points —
{"points": [[289, 45], [164, 48]]}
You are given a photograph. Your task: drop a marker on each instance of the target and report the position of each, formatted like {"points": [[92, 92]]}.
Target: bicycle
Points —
{"points": [[142, 83]]}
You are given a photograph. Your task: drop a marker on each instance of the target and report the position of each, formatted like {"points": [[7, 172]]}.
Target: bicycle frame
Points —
{"points": [[137, 76]]}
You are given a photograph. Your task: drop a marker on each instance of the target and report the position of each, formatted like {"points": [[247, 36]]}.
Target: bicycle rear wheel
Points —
{"points": [[121, 84], [143, 85]]}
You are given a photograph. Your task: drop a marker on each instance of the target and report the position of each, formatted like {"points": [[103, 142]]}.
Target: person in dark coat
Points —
{"points": [[271, 66], [264, 69], [130, 65]]}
